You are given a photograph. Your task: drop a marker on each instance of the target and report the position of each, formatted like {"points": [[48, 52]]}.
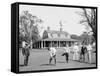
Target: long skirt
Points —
{"points": [[89, 57], [76, 56]]}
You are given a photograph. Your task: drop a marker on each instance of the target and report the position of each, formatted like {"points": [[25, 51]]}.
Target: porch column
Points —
{"points": [[44, 44], [41, 44], [66, 42], [38, 45], [59, 43], [51, 43]]}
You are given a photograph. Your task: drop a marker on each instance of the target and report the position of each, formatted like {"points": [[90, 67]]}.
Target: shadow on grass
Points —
{"points": [[61, 62], [47, 64], [77, 61], [85, 62]]}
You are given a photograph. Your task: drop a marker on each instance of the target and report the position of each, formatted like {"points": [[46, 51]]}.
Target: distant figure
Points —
{"points": [[76, 52], [26, 52], [82, 53], [52, 52], [66, 53], [89, 52]]}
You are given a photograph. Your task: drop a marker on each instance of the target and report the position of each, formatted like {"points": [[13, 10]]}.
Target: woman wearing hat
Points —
{"points": [[76, 52]]}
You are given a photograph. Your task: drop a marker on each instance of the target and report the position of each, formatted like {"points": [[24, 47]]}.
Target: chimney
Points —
{"points": [[61, 29], [48, 28]]}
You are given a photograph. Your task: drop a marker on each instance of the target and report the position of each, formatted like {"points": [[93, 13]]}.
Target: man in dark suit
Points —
{"points": [[83, 51], [26, 53]]}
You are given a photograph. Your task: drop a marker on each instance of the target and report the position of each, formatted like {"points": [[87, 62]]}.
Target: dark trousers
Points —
{"points": [[67, 57], [82, 57], [26, 60], [51, 58]]}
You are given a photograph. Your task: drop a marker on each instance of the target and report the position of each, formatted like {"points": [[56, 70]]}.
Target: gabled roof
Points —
{"points": [[56, 32]]}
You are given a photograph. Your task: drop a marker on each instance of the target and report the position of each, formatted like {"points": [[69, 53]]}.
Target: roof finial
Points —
{"points": [[61, 29]]}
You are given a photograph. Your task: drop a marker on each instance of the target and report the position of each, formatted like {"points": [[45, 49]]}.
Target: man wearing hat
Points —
{"points": [[26, 52]]}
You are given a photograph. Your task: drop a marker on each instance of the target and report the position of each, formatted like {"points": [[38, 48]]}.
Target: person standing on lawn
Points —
{"points": [[89, 52], [26, 52], [66, 53], [82, 53], [23, 47], [52, 52], [76, 52]]}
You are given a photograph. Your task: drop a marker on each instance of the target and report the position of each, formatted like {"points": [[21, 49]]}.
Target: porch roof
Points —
{"points": [[58, 39]]}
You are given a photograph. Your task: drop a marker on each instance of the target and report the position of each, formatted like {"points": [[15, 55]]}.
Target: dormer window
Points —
{"points": [[66, 35], [51, 35], [58, 34]]}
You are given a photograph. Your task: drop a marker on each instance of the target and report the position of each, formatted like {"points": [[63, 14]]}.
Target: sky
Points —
{"points": [[52, 16]]}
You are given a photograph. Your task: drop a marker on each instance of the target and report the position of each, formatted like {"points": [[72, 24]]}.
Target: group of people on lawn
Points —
{"points": [[79, 52]]}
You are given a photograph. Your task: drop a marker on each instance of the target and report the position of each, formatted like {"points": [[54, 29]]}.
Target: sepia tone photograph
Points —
{"points": [[54, 37]]}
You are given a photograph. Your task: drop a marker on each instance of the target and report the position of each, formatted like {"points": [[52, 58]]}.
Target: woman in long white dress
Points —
{"points": [[76, 52], [89, 53]]}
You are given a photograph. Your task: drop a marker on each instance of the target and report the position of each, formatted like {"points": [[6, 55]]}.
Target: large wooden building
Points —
{"points": [[55, 39]]}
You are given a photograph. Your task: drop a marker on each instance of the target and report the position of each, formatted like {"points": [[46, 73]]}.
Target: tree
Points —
{"points": [[89, 18], [28, 27]]}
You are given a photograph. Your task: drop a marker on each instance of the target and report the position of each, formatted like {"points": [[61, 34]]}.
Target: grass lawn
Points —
{"points": [[39, 60]]}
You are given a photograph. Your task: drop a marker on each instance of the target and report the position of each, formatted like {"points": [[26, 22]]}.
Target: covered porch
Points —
{"points": [[54, 42]]}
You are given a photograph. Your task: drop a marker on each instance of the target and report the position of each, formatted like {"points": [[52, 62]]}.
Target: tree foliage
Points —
{"points": [[28, 26], [89, 18]]}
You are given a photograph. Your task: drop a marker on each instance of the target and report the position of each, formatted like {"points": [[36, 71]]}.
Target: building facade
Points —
{"points": [[54, 38]]}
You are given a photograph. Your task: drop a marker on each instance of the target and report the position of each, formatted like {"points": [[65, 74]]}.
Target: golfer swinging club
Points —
{"points": [[52, 52]]}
